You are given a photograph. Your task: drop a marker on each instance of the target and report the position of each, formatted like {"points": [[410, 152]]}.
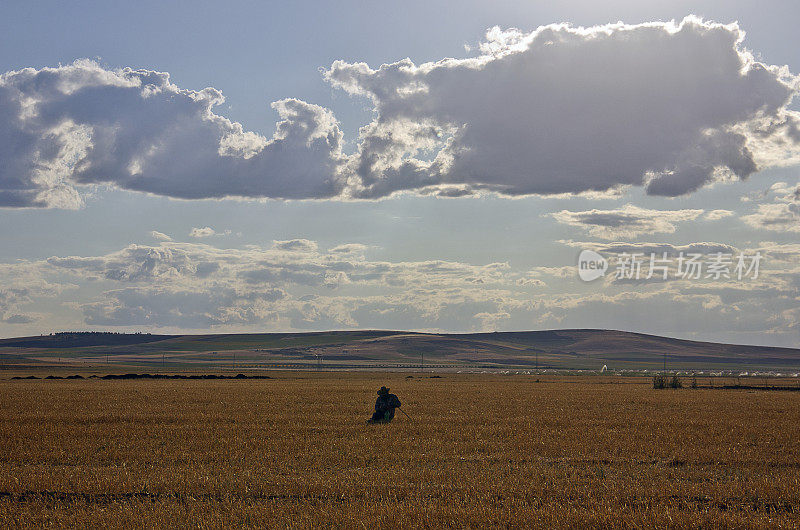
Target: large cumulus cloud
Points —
{"points": [[564, 110], [134, 129], [558, 110]]}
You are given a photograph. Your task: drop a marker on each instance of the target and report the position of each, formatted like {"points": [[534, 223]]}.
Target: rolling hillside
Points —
{"points": [[553, 349]]}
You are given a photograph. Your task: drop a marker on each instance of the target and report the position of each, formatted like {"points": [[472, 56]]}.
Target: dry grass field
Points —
{"points": [[478, 451]]}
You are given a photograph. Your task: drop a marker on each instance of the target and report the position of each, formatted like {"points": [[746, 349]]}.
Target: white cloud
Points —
{"points": [[202, 232], [716, 215], [558, 110], [159, 236], [182, 286], [10, 300], [21, 283], [291, 284], [296, 245], [82, 124], [701, 247], [780, 215], [627, 221], [564, 110], [349, 249], [789, 252], [143, 306]]}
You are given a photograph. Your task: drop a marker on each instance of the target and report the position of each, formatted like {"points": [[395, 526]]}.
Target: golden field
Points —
{"points": [[479, 450]]}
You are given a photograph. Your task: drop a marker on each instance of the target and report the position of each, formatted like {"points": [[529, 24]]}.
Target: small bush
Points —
{"points": [[694, 382], [661, 381]]}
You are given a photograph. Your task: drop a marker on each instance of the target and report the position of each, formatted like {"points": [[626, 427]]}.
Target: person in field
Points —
{"points": [[384, 407]]}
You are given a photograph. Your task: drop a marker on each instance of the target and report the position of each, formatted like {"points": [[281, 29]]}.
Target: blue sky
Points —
{"points": [[378, 241]]}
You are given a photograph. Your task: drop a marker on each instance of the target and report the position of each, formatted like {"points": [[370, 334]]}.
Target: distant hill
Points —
{"points": [[560, 349], [78, 339]]}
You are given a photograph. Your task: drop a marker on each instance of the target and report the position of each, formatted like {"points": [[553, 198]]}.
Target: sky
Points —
{"points": [[203, 167]]}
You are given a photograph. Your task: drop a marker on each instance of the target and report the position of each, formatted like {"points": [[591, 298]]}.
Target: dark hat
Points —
{"points": [[383, 390]]}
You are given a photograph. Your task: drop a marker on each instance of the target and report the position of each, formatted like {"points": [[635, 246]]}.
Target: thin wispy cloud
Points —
{"points": [[628, 221]]}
